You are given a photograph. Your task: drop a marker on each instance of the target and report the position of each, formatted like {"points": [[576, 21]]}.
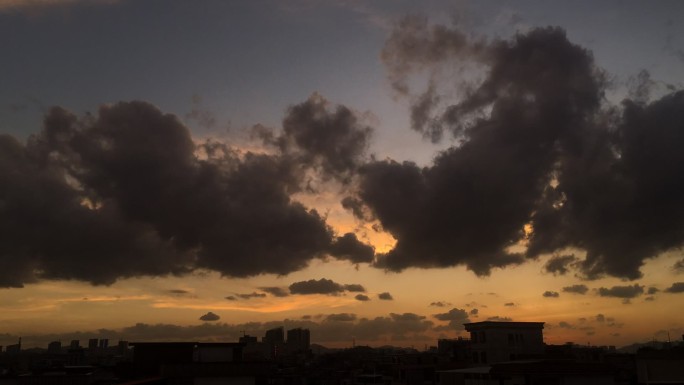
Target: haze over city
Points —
{"points": [[378, 172]]}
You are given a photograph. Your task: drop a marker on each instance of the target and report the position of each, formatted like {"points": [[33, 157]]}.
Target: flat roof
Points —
{"points": [[499, 324]]}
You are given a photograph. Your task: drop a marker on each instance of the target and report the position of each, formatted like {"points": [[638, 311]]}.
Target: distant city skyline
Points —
{"points": [[380, 172]]}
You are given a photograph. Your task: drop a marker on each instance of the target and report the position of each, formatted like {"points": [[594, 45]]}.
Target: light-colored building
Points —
{"points": [[493, 342]]}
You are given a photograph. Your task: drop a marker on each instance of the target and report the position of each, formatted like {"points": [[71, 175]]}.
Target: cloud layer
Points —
{"points": [[127, 192], [541, 160]]}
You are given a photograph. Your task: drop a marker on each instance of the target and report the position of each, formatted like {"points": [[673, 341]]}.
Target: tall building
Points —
{"points": [[92, 343], [274, 336], [55, 347], [75, 344], [493, 342], [298, 340]]}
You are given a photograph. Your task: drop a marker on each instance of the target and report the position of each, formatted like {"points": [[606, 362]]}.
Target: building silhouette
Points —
{"points": [[298, 340], [274, 336], [493, 342]]}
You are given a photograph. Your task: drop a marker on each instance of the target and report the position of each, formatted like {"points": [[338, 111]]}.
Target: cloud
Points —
{"points": [[312, 286], [341, 317], [456, 317], [385, 296], [600, 318], [330, 329], [560, 264], [509, 304], [565, 325], [678, 266], [440, 304], [473, 312], [625, 292], [496, 318], [652, 290], [539, 159], [250, 295], [677, 287], [348, 247], [210, 317], [178, 292], [231, 298], [355, 288], [362, 297], [329, 138], [130, 185], [576, 289], [323, 286], [275, 291], [551, 294]]}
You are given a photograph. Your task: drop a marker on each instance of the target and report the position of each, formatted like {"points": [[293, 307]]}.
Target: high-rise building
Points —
{"points": [[493, 342], [104, 343], [55, 347], [92, 343], [75, 344], [274, 336], [298, 340]]}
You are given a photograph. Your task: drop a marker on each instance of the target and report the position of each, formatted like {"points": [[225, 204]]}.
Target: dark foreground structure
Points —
{"points": [[497, 353]]}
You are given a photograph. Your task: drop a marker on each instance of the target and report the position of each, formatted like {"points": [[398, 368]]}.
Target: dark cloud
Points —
{"points": [[565, 325], [505, 160], [127, 192], [600, 318], [496, 318], [362, 297], [323, 286], [560, 264], [341, 317], [231, 298], [473, 312], [677, 287], [678, 266], [509, 304], [177, 292], [350, 248], [576, 289], [625, 292], [250, 295], [330, 138], [456, 317], [410, 317], [385, 296], [537, 147], [210, 317], [440, 304], [355, 288], [652, 290], [275, 291], [551, 294]]}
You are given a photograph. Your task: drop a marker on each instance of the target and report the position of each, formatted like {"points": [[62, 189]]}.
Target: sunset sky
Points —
{"points": [[380, 171]]}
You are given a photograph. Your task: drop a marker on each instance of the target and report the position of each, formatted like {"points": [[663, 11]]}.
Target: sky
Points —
{"points": [[377, 171]]}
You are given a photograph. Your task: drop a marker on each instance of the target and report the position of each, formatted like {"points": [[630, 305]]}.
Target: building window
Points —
{"points": [[511, 340], [473, 337], [476, 357], [483, 357], [483, 339]]}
